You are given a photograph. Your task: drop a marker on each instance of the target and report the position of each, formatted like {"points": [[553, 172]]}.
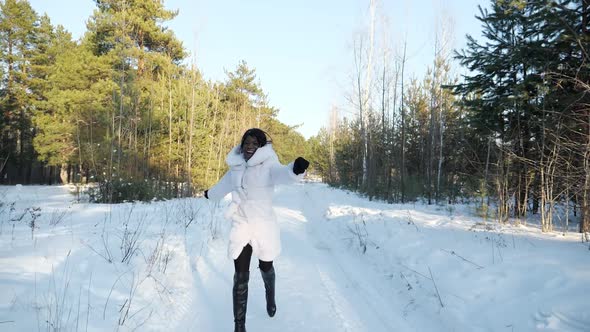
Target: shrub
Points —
{"points": [[124, 190]]}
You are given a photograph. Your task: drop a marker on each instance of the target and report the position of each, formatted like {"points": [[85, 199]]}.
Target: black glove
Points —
{"points": [[205, 194], [300, 165]]}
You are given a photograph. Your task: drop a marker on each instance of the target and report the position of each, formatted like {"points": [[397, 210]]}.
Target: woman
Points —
{"points": [[254, 169]]}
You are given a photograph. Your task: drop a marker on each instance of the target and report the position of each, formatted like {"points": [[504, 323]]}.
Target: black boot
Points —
{"points": [[269, 284], [240, 295]]}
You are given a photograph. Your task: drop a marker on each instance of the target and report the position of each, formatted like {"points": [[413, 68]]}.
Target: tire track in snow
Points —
{"points": [[334, 297], [182, 293], [365, 291], [349, 294], [308, 285], [212, 288], [359, 283], [559, 321]]}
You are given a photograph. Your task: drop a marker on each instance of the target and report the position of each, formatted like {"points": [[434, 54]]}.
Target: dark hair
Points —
{"points": [[259, 134]]}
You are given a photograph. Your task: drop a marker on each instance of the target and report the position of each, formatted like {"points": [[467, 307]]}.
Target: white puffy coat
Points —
{"points": [[251, 184]]}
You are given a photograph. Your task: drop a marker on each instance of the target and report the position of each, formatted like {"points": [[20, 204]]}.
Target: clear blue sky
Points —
{"points": [[301, 50]]}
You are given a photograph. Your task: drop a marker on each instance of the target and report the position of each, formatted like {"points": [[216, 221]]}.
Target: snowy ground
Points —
{"points": [[347, 265]]}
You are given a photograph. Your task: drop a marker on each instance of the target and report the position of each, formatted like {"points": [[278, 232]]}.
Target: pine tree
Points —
{"points": [[74, 120], [521, 97], [141, 51], [18, 29]]}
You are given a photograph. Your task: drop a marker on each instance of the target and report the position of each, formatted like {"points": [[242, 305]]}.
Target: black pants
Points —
{"points": [[242, 263]]}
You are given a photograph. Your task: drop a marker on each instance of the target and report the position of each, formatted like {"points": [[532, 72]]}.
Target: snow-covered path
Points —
{"points": [[318, 288], [347, 264]]}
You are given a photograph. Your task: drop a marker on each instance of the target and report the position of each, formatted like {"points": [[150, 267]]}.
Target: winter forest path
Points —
{"points": [[318, 288]]}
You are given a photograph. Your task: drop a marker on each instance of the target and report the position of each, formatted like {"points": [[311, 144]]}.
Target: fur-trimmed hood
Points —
{"points": [[236, 158]]}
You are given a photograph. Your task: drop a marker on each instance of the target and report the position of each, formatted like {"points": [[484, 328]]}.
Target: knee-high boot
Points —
{"points": [[240, 296], [269, 285]]}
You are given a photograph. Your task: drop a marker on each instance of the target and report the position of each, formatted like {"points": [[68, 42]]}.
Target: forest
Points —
{"points": [[126, 109], [511, 135]]}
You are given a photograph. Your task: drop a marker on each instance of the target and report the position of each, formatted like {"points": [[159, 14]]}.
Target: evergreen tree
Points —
{"points": [[18, 29], [142, 52], [75, 119], [318, 147], [518, 95]]}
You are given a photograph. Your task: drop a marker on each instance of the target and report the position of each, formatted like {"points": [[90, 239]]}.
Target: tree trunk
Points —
{"points": [[169, 127], [365, 98], [190, 134], [213, 124], [441, 130], [403, 123], [585, 206]]}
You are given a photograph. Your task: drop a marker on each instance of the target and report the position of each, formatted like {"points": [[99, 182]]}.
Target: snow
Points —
{"points": [[348, 264]]}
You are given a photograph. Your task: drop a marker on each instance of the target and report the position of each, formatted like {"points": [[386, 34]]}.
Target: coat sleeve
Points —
{"points": [[221, 188], [283, 174]]}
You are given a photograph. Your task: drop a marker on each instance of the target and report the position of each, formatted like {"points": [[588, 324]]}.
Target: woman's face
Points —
{"points": [[250, 146]]}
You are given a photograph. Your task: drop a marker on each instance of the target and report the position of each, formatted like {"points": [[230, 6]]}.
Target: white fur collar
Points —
{"points": [[236, 158]]}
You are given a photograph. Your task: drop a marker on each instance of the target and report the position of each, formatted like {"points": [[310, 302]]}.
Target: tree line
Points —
{"points": [[124, 107], [513, 133]]}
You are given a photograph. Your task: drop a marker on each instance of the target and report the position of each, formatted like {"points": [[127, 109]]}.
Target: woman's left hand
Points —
{"points": [[300, 165]]}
